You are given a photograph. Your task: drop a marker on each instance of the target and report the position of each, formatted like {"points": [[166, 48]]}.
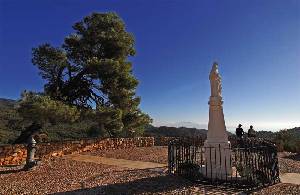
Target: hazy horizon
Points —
{"points": [[230, 127]]}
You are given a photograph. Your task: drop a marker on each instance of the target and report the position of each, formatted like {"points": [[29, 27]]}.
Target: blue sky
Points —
{"points": [[257, 44]]}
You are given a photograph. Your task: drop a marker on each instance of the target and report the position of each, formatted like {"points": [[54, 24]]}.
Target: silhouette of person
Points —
{"points": [[239, 131], [251, 132]]}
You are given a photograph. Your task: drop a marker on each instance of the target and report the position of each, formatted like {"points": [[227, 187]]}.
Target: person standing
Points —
{"points": [[251, 132], [239, 132]]}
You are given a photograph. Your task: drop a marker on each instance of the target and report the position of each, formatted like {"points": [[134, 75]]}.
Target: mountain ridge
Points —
{"points": [[7, 103]]}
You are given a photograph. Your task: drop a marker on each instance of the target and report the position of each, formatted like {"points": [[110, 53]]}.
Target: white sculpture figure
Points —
{"points": [[215, 81], [217, 146]]}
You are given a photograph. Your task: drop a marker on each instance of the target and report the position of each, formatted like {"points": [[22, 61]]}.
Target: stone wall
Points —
{"points": [[16, 154], [12, 154], [163, 141]]}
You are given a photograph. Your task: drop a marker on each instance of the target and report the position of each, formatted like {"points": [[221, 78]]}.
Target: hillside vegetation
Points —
{"points": [[286, 140], [8, 116], [11, 125], [164, 131]]}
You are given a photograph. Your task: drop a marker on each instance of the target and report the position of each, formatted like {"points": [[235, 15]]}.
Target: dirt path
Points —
{"points": [[293, 178], [115, 162]]}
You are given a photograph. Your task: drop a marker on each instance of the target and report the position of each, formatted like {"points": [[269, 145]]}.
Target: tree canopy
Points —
{"points": [[91, 71], [42, 109]]}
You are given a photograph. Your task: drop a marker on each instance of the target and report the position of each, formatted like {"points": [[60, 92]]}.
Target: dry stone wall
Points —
{"points": [[163, 141], [12, 154], [16, 154]]}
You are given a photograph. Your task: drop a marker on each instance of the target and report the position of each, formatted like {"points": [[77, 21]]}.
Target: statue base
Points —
{"points": [[218, 159]]}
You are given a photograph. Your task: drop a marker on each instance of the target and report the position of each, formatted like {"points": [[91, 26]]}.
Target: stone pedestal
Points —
{"points": [[217, 156], [217, 146]]}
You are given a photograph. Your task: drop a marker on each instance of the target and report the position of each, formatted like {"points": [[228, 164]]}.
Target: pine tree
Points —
{"points": [[91, 70]]}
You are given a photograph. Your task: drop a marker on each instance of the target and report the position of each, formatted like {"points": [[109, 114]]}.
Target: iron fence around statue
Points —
{"points": [[253, 163]]}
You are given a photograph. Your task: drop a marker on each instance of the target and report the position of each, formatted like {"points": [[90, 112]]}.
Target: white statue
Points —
{"points": [[215, 81], [219, 164]]}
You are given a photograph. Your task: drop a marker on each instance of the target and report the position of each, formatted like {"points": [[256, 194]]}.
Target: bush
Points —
{"points": [[287, 140]]}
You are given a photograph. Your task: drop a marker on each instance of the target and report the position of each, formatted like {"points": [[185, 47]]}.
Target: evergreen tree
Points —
{"points": [[91, 69], [41, 109]]}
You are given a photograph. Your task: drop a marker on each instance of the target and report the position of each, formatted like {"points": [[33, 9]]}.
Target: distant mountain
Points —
{"points": [[186, 124], [190, 125], [174, 131], [7, 103], [286, 140], [7, 115]]}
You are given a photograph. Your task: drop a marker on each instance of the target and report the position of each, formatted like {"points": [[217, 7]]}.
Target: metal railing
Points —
{"points": [[250, 163]]}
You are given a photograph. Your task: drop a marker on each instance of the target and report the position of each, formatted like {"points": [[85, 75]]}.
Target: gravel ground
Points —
{"points": [[158, 154], [281, 188], [289, 162], [57, 175], [156, 183], [62, 176]]}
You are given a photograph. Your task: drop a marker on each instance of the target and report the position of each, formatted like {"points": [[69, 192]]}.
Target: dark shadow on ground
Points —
{"points": [[154, 185], [11, 171], [12, 166]]}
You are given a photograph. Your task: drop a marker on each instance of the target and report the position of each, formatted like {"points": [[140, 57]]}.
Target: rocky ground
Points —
{"points": [[280, 189], [149, 154], [289, 162], [62, 176]]}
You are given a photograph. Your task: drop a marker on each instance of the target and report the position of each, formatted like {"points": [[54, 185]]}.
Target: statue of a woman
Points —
{"points": [[215, 81]]}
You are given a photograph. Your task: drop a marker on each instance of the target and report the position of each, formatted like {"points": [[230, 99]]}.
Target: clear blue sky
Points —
{"points": [[257, 44]]}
